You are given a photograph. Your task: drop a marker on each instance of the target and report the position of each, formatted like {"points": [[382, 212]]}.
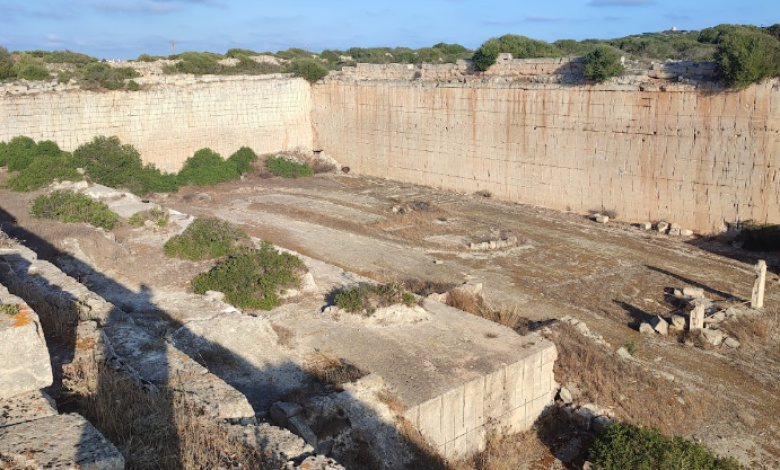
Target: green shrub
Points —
{"points": [[43, 171], [626, 446], [601, 64], [159, 216], [243, 160], [294, 53], [367, 298], [18, 153], [30, 68], [773, 31], [252, 278], [6, 64], [207, 168], [132, 85], [107, 161], [206, 238], [198, 63], [487, 54], [101, 75], [70, 207], [285, 168], [759, 237], [311, 70], [149, 58], [745, 57]]}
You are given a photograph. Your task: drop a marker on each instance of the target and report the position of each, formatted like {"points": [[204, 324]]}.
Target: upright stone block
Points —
{"points": [[757, 299]]}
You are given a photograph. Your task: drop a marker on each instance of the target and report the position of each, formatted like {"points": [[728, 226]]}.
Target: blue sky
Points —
{"points": [[122, 29]]}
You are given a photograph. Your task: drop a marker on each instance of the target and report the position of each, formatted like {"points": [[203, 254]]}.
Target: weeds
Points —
{"points": [[252, 278], [9, 309], [206, 238], [486, 193], [331, 371], [71, 207], [156, 215], [509, 316]]}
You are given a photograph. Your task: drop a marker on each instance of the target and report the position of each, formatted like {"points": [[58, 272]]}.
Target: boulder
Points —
{"points": [[693, 292], [646, 329], [731, 342], [281, 412], [714, 337], [660, 325], [662, 227], [686, 232], [582, 417], [602, 219], [600, 423], [623, 352], [565, 395], [645, 226], [298, 426]]}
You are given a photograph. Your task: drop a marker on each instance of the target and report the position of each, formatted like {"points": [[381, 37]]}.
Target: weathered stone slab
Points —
{"points": [[26, 407], [67, 442], [157, 361], [24, 359]]}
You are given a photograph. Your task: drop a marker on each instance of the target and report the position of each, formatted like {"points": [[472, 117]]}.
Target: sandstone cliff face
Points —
{"points": [[702, 158], [171, 119], [648, 148]]}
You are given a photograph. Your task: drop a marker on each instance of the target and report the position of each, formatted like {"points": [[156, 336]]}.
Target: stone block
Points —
{"points": [[645, 226], [662, 227], [731, 342], [714, 337], [452, 419], [660, 325], [65, 441], [678, 321], [693, 292], [26, 407], [24, 358], [646, 329], [298, 426], [600, 218], [430, 421], [281, 412], [474, 402]]}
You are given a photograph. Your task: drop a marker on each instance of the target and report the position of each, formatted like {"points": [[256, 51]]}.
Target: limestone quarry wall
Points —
{"points": [[680, 152], [171, 119]]}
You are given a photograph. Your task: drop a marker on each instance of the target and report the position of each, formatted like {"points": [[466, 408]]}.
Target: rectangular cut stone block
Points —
{"points": [[64, 441], [26, 407], [25, 365]]}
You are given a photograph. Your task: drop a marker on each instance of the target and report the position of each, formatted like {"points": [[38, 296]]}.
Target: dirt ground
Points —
{"points": [[611, 276]]}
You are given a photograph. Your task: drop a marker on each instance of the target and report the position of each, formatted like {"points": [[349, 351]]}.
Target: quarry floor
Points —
{"points": [[610, 276]]}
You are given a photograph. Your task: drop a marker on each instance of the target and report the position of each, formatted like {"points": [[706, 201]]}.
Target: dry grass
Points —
{"points": [[636, 395], [284, 336], [156, 430], [755, 329], [509, 316], [427, 287], [332, 371], [515, 452]]}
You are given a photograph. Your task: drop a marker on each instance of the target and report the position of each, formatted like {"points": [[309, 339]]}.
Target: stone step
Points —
{"points": [[66, 441], [25, 365]]}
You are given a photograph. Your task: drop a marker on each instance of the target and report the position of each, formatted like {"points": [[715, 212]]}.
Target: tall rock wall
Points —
{"points": [[673, 152], [171, 118]]}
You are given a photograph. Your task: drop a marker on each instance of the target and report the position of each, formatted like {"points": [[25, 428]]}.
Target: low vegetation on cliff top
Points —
{"points": [[71, 207]]}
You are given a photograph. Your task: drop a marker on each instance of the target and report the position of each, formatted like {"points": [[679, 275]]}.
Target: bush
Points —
{"points": [[285, 168], [487, 54], [43, 171], [759, 237], [624, 446], [206, 238], [207, 168], [252, 278], [101, 75], [30, 68], [367, 298], [18, 153], [160, 217], [198, 63], [6, 64], [70, 207], [745, 57], [9, 309], [601, 64], [311, 70], [243, 160]]}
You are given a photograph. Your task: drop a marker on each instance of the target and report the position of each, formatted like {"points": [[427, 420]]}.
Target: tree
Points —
{"points": [[745, 57], [6, 64]]}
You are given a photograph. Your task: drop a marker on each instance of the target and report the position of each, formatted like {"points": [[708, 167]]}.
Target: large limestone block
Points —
{"points": [[26, 407], [66, 442], [24, 359]]}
